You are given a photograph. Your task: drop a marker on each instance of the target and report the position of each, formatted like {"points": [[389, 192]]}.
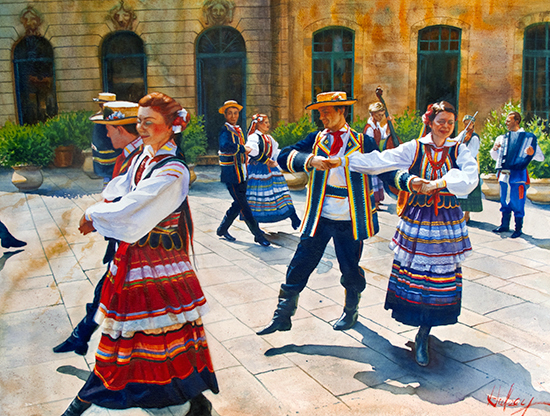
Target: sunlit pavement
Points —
{"points": [[494, 361]]}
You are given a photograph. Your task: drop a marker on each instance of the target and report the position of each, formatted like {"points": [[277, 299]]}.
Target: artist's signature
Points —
{"points": [[511, 402]]}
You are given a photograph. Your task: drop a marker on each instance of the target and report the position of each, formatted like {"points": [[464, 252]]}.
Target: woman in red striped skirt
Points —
{"points": [[153, 351]]}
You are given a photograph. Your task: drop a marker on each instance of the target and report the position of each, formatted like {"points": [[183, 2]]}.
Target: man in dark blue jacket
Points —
{"points": [[233, 154]]}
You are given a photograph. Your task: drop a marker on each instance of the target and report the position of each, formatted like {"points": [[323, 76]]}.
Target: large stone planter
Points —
{"points": [[88, 165], [63, 156], [490, 187], [296, 181], [27, 178], [192, 174], [539, 191]]}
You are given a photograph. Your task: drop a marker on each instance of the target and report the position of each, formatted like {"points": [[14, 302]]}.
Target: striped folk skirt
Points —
{"points": [[377, 188], [425, 286], [153, 350], [267, 193]]}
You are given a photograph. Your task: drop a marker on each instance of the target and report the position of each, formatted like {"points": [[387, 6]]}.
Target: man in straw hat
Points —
{"points": [[339, 206], [233, 154], [119, 118], [104, 155]]}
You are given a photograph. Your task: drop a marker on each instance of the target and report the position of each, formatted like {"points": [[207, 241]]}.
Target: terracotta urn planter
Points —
{"points": [[296, 181], [27, 178], [63, 156], [539, 191], [192, 174], [490, 187]]}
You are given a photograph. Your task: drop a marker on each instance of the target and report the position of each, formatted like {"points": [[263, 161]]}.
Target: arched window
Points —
{"points": [[438, 71], [332, 60], [33, 69], [221, 76], [536, 71], [124, 65]]}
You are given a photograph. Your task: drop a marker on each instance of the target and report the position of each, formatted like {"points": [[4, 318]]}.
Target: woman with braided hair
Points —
{"points": [[153, 351], [431, 240]]}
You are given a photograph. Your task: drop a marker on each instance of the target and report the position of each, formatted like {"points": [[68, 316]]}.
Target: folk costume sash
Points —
{"points": [[360, 197]]}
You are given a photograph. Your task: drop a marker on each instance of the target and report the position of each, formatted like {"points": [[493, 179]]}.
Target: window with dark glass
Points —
{"points": [[124, 65], [536, 71], [332, 59], [438, 70], [33, 68], [221, 76]]}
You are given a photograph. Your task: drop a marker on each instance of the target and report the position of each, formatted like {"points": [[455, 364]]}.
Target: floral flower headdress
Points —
{"points": [[181, 121], [256, 118]]}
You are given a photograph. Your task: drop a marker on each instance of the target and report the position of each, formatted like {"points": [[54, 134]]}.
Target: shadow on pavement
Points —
{"points": [[444, 381], [73, 371], [6, 256]]}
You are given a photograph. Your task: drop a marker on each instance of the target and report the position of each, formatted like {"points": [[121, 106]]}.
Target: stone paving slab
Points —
{"points": [[501, 339]]}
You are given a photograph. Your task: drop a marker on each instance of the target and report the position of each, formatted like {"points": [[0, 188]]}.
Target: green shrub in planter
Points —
{"points": [[193, 140], [24, 145], [408, 125], [70, 128], [287, 134], [540, 170], [359, 124]]}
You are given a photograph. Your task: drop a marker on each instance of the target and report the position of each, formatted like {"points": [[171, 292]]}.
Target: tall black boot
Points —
{"points": [[259, 236], [200, 406], [79, 338], [296, 222], [351, 313], [422, 356], [76, 408], [288, 303], [222, 230], [8, 240], [519, 226], [504, 224]]}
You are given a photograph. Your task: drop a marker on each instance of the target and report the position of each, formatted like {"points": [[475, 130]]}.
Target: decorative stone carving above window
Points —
{"points": [[122, 16], [31, 20], [218, 12]]}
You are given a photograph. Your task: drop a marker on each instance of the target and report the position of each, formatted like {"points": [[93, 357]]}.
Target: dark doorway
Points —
{"points": [[536, 71], [438, 66], [33, 70], [124, 65], [221, 63]]}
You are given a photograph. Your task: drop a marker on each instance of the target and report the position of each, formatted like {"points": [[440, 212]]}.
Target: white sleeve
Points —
{"points": [[463, 180], [474, 146], [374, 163], [141, 209], [539, 156], [494, 153], [252, 141], [275, 147]]}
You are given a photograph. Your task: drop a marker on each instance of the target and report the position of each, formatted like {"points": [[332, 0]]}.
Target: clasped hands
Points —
{"points": [[85, 226], [419, 185]]}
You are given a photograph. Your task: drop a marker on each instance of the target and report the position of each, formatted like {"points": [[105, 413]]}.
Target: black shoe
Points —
{"points": [[76, 408], [421, 354], [261, 240], [72, 344], [279, 323], [10, 241], [516, 234], [296, 222], [346, 321], [501, 229], [225, 235], [200, 406]]}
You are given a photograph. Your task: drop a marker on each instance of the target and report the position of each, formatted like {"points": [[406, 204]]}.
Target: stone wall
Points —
{"points": [[278, 36], [169, 29]]}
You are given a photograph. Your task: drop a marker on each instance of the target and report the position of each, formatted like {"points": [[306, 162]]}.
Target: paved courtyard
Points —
{"points": [[495, 361]]}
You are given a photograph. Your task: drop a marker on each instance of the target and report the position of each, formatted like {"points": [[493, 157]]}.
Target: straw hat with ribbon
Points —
{"points": [[117, 113], [332, 98], [229, 104], [104, 97]]}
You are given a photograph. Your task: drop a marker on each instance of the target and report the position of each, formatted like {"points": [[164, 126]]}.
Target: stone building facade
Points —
{"points": [[273, 55]]}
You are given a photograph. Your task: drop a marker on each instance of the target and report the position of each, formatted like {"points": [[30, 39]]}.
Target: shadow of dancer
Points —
{"points": [[446, 380]]}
